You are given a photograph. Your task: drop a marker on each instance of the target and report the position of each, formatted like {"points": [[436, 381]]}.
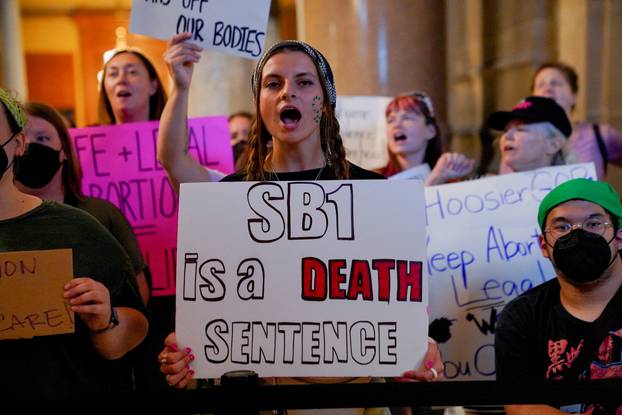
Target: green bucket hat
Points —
{"points": [[15, 109], [600, 193]]}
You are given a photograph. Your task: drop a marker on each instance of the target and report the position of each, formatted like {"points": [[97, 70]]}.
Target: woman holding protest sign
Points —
{"points": [[131, 91], [109, 315], [414, 142], [295, 99], [49, 169]]}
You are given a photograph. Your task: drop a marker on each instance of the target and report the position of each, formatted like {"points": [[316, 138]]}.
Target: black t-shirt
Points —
{"points": [[536, 338], [65, 366], [108, 215], [356, 173]]}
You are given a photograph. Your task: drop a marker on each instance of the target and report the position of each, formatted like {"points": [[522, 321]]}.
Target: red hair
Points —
{"points": [[412, 103]]}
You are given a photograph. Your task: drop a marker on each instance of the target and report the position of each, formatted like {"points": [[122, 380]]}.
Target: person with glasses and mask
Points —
{"points": [[414, 139], [571, 326]]}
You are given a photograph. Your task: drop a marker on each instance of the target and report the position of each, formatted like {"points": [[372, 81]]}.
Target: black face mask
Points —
{"points": [[37, 166], [4, 159], [582, 256]]}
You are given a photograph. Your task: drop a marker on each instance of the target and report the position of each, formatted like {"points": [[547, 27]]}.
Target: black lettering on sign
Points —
{"points": [[217, 350], [193, 25], [307, 342], [270, 224], [251, 284], [241, 39], [192, 4], [307, 214]]}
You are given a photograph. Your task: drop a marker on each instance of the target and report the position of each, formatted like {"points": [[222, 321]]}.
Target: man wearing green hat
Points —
{"points": [[569, 327]]}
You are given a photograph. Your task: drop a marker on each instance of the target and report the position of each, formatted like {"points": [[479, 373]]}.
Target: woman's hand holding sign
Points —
{"points": [[180, 58], [175, 363], [432, 368], [90, 300]]}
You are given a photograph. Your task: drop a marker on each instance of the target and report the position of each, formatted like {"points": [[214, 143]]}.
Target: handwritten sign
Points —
{"points": [[483, 251], [119, 164], [31, 293], [363, 129], [237, 27], [420, 172], [302, 278]]}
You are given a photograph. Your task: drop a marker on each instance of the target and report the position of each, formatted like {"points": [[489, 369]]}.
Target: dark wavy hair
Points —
{"points": [[157, 101], [71, 175], [434, 147], [330, 138]]}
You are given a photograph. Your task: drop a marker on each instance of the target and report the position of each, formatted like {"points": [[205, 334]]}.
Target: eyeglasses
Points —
{"points": [[593, 225]]}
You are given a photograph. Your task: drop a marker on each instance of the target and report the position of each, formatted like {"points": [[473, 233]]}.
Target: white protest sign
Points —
{"points": [[237, 27], [483, 251], [420, 172], [302, 278], [363, 128]]}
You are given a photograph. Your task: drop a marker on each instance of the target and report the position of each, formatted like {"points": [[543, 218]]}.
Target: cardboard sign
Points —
{"points": [[483, 251], [119, 164], [302, 278], [31, 293], [363, 129], [237, 27]]}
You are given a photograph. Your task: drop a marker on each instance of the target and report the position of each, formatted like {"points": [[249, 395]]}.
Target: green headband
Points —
{"points": [[14, 108], [600, 193]]}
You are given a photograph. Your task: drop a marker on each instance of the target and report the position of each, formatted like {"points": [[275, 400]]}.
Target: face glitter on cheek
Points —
{"points": [[317, 112]]}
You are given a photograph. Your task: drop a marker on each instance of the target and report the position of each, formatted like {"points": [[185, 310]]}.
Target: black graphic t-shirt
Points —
{"points": [[536, 338]]}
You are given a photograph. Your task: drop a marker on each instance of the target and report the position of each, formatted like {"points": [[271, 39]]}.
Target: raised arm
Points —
{"points": [[173, 154], [449, 166]]}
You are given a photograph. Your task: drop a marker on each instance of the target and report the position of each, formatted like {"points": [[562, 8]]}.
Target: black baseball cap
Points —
{"points": [[533, 110]]}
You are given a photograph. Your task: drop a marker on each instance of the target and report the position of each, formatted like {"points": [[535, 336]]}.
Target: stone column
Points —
{"points": [[379, 47], [13, 62]]}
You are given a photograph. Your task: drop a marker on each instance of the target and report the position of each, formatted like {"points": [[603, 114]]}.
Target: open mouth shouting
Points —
{"points": [[399, 137], [290, 117], [124, 93]]}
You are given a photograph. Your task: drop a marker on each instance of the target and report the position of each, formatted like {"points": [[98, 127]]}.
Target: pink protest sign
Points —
{"points": [[119, 164]]}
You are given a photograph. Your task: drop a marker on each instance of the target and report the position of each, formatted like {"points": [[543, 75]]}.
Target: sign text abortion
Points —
{"points": [[119, 164], [483, 251]]}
